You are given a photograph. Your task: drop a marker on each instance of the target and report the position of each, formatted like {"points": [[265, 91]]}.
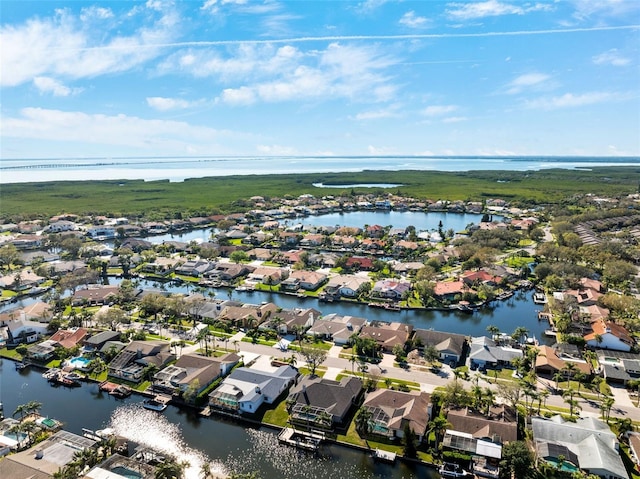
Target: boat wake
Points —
{"points": [[151, 430]]}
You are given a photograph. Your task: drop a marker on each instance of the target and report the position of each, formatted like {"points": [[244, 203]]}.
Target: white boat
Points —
{"points": [[154, 405], [453, 470]]}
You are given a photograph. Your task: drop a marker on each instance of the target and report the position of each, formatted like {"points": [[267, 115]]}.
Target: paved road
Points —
{"points": [[623, 406]]}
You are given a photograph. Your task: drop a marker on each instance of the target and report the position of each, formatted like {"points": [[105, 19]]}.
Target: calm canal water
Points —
{"points": [[228, 445]]}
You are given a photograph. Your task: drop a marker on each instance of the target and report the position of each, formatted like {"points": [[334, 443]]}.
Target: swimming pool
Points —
{"points": [[79, 362], [124, 472]]}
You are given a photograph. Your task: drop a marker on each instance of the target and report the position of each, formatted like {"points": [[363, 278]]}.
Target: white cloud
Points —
{"points": [[238, 96], [390, 112], [276, 150], [527, 81], [570, 100], [65, 46], [437, 110], [454, 119], [50, 85], [604, 8], [411, 20], [123, 130], [611, 57], [266, 73], [166, 104], [492, 8], [95, 13], [369, 6], [381, 150]]}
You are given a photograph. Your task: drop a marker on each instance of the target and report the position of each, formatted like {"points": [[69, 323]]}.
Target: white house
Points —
{"points": [[608, 335]]}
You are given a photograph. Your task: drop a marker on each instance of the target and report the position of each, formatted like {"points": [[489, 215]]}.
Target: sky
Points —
{"points": [[324, 77]]}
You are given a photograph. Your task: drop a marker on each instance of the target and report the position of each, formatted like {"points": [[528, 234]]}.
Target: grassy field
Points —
{"points": [[159, 199]]}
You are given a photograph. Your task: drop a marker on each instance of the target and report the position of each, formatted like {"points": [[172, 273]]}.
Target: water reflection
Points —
{"points": [[154, 431]]}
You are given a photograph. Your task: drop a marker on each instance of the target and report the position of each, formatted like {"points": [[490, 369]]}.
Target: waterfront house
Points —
{"points": [[229, 271], [586, 444], [162, 266], [548, 363], [245, 389], [349, 286], [267, 275], [448, 290], [194, 268], [247, 315], [450, 346], [303, 279], [323, 403], [609, 335], [290, 321], [485, 352], [130, 363], [24, 242], [20, 280], [336, 328], [45, 459], [388, 335], [69, 338], [193, 370], [98, 340], [390, 289], [38, 311], [359, 263], [95, 295], [481, 436], [392, 410], [24, 331]]}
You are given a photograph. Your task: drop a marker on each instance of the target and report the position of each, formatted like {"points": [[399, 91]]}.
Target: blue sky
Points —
{"points": [[268, 77]]}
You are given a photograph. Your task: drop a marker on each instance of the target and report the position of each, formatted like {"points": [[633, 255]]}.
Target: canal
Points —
{"points": [[229, 446]]}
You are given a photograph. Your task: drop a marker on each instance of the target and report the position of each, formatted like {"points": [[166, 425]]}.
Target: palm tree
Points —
{"points": [[170, 470], [22, 409], [635, 384], [33, 407], [489, 398], [494, 330], [438, 425], [362, 421], [519, 333], [568, 396], [607, 404], [557, 377], [624, 426], [205, 470]]}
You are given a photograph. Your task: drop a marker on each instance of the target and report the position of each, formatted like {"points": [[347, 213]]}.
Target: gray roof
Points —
{"points": [[333, 396], [102, 337], [613, 371], [270, 383], [595, 454], [441, 340], [557, 429]]}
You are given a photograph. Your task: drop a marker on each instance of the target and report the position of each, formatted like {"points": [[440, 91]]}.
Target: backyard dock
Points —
{"points": [[301, 439], [384, 456]]}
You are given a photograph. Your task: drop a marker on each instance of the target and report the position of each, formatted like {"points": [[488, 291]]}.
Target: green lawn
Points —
{"points": [[277, 416]]}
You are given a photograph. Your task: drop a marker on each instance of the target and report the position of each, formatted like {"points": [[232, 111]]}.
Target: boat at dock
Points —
{"points": [[453, 470], [64, 380], [384, 456], [308, 441], [154, 405], [539, 298], [121, 391]]}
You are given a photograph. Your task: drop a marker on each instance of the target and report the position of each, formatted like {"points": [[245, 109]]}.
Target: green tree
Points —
{"points": [[362, 419], [517, 461], [314, 357], [409, 448]]}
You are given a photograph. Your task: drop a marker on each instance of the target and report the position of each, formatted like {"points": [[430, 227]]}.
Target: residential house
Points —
{"points": [[95, 295], [390, 289], [486, 352], [548, 363], [292, 321], [195, 371], [23, 242], [195, 268], [388, 335], [587, 444], [324, 403], [392, 410], [20, 280], [131, 362], [246, 389], [472, 278], [24, 331], [247, 315], [303, 279], [98, 340], [448, 290], [101, 232], [609, 335], [66, 338], [60, 226], [162, 266], [450, 346], [260, 254], [312, 240], [359, 263], [38, 311], [229, 271], [348, 286], [482, 436], [267, 275], [337, 328]]}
